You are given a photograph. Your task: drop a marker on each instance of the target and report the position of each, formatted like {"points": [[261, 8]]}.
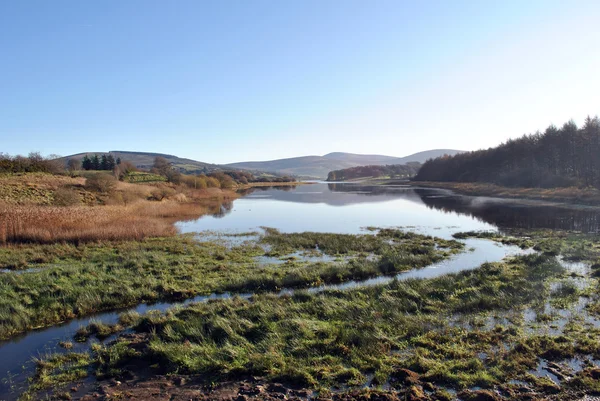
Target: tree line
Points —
{"points": [[558, 157], [53, 164], [219, 179], [392, 170], [33, 163], [106, 162]]}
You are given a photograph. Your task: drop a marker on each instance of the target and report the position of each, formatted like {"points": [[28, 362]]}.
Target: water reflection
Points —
{"points": [[503, 213], [345, 207], [511, 214]]}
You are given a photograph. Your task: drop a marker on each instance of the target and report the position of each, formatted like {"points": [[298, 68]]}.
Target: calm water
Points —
{"points": [[343, 208], [346, 208]]}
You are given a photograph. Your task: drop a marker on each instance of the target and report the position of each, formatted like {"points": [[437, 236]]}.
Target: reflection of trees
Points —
{"points": [[223, 209], [511, 214], [248, 191], [370, 190]]}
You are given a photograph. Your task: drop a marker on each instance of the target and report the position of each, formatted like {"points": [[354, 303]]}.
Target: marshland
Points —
{"points": [[316, 291]]}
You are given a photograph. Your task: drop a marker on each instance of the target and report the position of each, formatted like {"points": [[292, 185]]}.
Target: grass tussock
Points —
{"points": [[73, 280], [337, 338]]}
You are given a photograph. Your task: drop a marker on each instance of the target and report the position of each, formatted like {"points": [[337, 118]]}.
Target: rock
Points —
{"points": [[242, 397]]}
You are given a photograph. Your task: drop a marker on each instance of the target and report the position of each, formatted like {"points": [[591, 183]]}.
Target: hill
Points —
{"points": [[320, 166], [145, 160], [388, 170], [559, 157]]}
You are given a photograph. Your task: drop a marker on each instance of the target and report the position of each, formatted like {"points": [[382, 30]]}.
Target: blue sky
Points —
{"points": [[225, 81]]}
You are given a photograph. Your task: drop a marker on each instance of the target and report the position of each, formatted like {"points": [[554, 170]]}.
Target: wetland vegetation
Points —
{"points": [[526, 327], [500, 330], [76, 280]]}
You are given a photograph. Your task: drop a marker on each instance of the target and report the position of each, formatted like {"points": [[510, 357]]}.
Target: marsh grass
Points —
{"points": [[337, 337], [46, 208], [523, 243], [58, 369], [77, 224], [79, 280]]}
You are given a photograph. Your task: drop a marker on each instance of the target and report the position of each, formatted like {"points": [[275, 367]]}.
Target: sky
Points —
{"points": [[235, 80]]}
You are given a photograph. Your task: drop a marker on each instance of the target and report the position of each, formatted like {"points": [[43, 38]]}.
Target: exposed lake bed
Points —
{"points": [[302, 254]]}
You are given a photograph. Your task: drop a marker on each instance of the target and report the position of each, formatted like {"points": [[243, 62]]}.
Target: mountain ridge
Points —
{"points": [[319, 166], [311, 166]]}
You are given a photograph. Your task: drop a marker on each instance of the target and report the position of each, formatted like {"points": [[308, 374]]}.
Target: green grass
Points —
{"points": [[457, 331], [137, 177], [337, 338], [75, 281]]}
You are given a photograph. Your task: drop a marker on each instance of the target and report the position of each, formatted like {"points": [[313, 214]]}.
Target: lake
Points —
{"points": [[340, 208], [349, 208]]}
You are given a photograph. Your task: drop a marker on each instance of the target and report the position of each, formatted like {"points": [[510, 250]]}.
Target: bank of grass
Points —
{"points": [[76, 224], [523, 243], [339, 338], [584, 196], [458, 331], [76, 280], [34, 188], [47, 208]]}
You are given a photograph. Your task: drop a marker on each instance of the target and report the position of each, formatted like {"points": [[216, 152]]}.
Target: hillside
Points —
{"points": [[320, 166], [145, 160], [380, 171], [559, 157]]}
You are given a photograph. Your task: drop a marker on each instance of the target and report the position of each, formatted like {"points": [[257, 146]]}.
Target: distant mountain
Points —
{"points": [[320, 166], [145, 160], [305, 166]]}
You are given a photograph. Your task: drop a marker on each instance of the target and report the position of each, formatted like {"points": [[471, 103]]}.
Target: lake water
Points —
{"points": [[341, 208], [347, 208]]}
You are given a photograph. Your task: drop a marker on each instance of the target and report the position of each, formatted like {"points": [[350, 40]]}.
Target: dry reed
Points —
{"points": [[48, 224]]}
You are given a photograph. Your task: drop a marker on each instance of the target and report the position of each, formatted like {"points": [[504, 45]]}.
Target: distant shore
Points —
{"points": [[273, 184], [583, 196]]}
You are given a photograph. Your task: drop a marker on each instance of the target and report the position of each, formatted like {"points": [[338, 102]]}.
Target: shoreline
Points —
{"points": [[272, 184], [570, 195]]}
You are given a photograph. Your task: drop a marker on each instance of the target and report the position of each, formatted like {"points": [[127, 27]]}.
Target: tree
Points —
{"points": [[161, 165], [86, 163], [110, 162], [73, 165], [559, 157], [103, 163], [164, 168], [96, 162]]}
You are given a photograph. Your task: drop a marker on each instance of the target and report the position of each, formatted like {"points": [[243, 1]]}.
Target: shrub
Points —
{"points": [[162, 192], [103, 183], [66, 197]]}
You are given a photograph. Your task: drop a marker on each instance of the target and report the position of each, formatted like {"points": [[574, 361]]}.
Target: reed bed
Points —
{"points": [[49, 224]]}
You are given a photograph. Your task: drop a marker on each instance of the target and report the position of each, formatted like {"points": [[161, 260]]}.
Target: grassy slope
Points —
{"points": [[30, 211]]}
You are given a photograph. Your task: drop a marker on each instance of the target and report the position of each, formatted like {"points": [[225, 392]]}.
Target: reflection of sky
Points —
{"points": [[301, 214]]}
